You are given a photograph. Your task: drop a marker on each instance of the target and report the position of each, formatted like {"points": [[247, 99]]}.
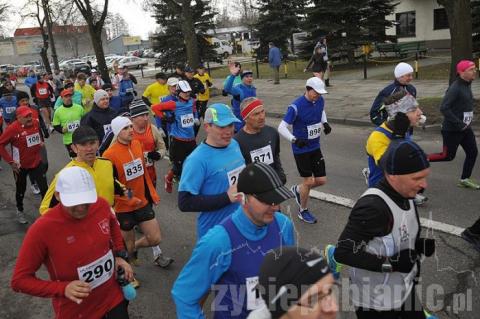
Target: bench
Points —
{"points": [[402, 49]]}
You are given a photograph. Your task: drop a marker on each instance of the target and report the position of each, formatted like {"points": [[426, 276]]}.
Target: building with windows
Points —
{"points": [[421, 20]]}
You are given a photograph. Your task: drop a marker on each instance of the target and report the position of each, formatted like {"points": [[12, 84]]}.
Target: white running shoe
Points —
{"points": [[35, 189]]}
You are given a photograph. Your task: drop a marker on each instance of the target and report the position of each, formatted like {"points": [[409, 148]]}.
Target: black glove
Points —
{"points": [[401, 124], [169, 117], [224, 93], [404, 260], [209, 84], [300, 143], [327, 128], [154, 155], [425, 246]]}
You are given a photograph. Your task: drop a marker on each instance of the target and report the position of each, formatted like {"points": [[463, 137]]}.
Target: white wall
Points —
{"points": [[423, 20]]}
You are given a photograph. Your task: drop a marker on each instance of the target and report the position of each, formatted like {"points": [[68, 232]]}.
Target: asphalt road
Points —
{"points": [[451, 277]]}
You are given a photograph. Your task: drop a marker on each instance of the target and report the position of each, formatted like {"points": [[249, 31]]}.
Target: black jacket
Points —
{"points": [[97, 118], [457, 100]]}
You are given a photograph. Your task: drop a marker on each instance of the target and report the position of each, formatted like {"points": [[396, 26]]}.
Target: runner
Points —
{"points": [[148, 135], [126, 154], [381, 241], [41, 93], [403, 77], [115, 102], [86, 90], [457, 109], [202, 98], [155, 91], [76, 98], [85, 146], [224, 259], [196, 85], [311, 288], [59, 241], [67, 118], [403, 115], [126, 90], [97, 78], [307, 116], [26, 141], [239, 92], [259, 142], [209, 179], [165, 123], [182, 135], [8, 105], [318, 60], [101, 115]]}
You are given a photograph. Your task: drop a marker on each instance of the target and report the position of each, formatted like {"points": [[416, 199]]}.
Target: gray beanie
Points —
{"points": [[98, 95], [405, 104]]}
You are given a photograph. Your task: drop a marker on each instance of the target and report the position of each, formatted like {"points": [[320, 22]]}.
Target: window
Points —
{"points": [[405, 24], [440, 20]]}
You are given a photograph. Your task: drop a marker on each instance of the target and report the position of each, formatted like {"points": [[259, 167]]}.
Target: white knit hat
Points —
{"points": [[401, 69], [119, 123]]}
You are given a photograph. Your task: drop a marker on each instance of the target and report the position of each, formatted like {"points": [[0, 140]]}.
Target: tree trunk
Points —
{"points": [[188, 29], [460, 22], [96, 36], [43, 51], [48, 21]]}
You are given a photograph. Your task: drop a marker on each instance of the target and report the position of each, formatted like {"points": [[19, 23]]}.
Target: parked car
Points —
{"points": [[133, 62], [157, 55]]}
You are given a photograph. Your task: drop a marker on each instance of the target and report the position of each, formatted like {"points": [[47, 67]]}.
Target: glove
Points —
{"points": [[154, 155], [196, 122], [224, 93], [401, 123], [300, 143], [327, 128], [209, 84], [404, 260], [425, 246]]}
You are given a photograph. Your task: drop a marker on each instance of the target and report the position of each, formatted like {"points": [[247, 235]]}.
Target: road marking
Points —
{"points": [[424, 222]]}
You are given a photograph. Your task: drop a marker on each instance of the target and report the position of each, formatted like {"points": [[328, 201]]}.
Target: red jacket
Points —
{"points": [[26, 144], [65, 245]]}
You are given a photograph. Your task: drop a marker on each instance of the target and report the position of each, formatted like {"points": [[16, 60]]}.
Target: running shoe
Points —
{"points": [[429, 315], [420, 199], [306, 216], [50, 129], [335, 267], [366, 174], [295, 191], [468, 183], [472, 238], [168, 184], [135, 283], [163, 261], [21, 217], [35, 189]]}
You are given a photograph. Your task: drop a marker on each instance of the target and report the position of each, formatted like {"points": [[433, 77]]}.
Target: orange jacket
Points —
{"points": [[130, 166]]}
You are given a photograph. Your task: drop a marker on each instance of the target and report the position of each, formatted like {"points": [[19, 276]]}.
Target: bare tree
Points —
{"points": [[4, 7], [95, 21], [115, 25], [48, 22]]}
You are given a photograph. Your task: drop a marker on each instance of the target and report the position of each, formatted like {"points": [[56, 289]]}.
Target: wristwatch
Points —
{"points": [[122, 254], [387, 266]]}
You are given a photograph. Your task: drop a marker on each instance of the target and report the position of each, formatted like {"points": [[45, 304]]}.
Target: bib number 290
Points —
{"points": [[98, 271]]}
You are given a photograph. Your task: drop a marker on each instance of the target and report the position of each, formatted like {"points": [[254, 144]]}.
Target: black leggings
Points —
{"points": [[120, 311], [179, 150], [451, 141], [411, 309], [38, 175]]}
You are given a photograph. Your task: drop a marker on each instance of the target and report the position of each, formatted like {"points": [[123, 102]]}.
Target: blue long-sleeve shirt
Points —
{"points": [[238, 92], [274, 57], [211, 258]]}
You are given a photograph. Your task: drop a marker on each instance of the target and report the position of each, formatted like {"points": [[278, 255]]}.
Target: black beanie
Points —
{"points": [[286, 273], [404, 157]]}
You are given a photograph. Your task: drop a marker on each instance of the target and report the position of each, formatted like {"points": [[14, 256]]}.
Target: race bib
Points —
{"points": [[467, 117], [33, 139], [148, 161], [133, 169], [262, 155], [129, 90], [233, 175], [314, 130], [72, 126], [107, 128], [42, 91], [98, 271], [187, 120], [253, 295], [10, 109]]}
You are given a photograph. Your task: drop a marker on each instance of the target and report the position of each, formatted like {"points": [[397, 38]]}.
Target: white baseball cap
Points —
{"points": [[119, 123], [316, 84], [172, 81], [183, 86], [75, 186]]}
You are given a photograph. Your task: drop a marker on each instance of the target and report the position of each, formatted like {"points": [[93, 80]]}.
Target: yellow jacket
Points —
{"points": [[87, 95], [102, 173], [378, 143]]}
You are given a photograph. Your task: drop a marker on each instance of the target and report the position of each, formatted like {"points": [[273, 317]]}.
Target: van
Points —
{"points": [[222, 47]]}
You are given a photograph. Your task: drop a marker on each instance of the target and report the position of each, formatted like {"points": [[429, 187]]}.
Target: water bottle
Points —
{"points": [[128, 291]]}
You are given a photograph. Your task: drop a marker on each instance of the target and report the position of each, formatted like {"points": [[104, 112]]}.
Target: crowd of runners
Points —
{"points": [[99, 210]]}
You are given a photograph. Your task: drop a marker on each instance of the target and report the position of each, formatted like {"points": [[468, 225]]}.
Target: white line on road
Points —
{"points": [[425, 222]]}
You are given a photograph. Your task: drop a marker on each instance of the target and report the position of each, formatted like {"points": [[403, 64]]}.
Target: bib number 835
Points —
{"points": [[134, 170]]}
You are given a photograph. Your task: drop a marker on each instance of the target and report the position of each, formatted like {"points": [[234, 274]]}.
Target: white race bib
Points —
{"points": [[253, 296], [187, 120], [133, 169], [129, 90], [233, 175], [107, 128], [72, 126], [467, 117], [10, 109], [97, 272], [148, 161], [262, 155], [42, 91], [314, 130], [33, 139]]}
